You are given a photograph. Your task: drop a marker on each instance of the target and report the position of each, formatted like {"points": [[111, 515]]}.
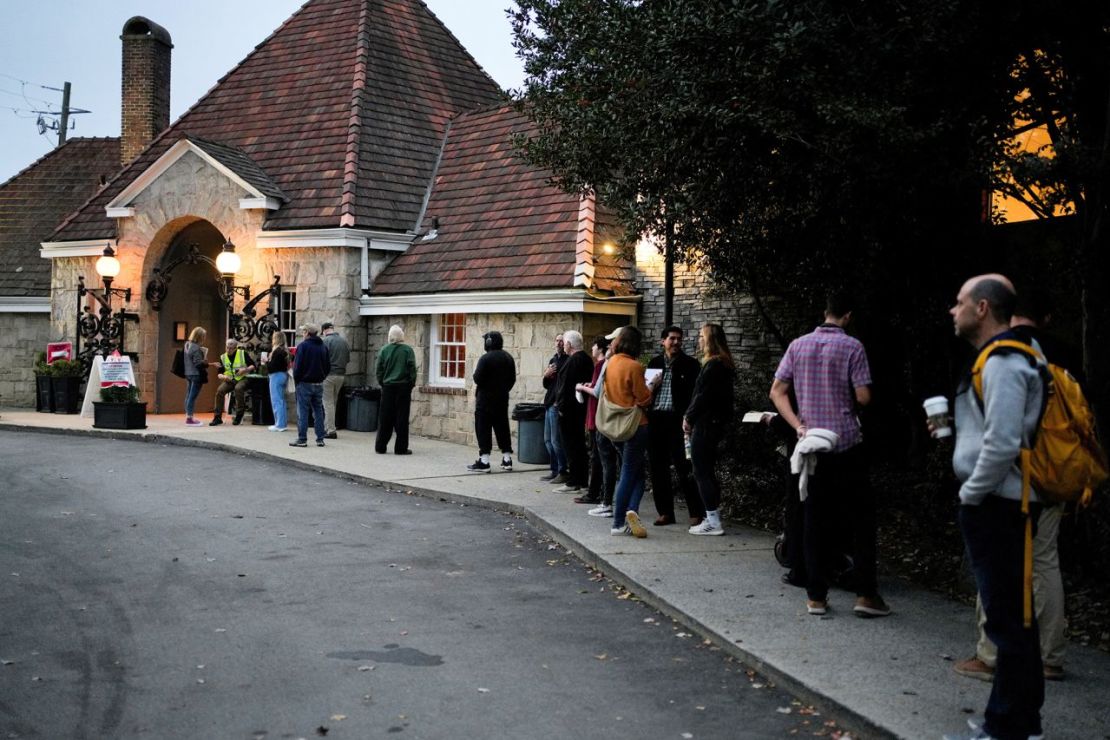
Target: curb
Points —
{"points": [[847, 718]]}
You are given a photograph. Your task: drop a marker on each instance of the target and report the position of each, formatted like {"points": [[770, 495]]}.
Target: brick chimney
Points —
{"points": [[146, 85]]}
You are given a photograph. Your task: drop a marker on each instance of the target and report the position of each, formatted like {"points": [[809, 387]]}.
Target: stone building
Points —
{"points": [[360, 165]]}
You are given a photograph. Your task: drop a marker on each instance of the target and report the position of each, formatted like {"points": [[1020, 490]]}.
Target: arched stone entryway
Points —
{"points": [[193, 299]]}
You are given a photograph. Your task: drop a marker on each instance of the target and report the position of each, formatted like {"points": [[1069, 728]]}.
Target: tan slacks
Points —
{"points": [[331, 384]]}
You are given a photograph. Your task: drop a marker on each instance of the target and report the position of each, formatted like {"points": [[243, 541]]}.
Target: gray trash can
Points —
{"points": [[362, 409], [530, 447]]}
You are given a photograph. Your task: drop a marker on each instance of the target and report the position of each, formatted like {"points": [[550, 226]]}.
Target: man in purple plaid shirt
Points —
{"points": [[829, 375]]}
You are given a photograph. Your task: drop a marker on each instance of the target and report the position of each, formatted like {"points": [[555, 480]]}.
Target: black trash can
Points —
{"points": [[530, 447], [362, 409]]}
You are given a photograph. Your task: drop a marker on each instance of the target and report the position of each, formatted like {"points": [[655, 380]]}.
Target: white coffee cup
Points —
{"points": [[936, 408]]}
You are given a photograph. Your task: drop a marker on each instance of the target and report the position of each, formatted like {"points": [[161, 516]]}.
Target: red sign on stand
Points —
{"points": [[58, 351], [116, 370]]}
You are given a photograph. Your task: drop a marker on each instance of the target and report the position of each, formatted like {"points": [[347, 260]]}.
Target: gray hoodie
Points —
{"points": [[989, 441]]}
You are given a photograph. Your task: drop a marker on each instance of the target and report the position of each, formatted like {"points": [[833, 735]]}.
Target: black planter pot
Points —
{"points": [[44, 394], [119, 415], [67, 395]]}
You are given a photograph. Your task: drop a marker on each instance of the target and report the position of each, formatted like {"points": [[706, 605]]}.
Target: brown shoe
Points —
{"points": [[974, 668], [662, 521], [1053, 672], [696, 520], [870, 607], [817, 608]]}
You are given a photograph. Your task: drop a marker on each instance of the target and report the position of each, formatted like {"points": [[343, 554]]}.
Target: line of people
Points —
{"points": [[676, 412]]}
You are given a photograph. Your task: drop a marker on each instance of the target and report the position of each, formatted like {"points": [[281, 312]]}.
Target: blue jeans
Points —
{"points": [[277, 398], [553, 442], [310, 396], [192, 390], [994, 533], [630, 486]]}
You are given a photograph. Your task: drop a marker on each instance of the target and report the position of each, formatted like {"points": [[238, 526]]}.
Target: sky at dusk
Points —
{"points": [[48, 42]]}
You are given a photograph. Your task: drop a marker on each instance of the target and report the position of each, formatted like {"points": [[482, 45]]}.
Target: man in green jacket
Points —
{"points": [[396, 371]]}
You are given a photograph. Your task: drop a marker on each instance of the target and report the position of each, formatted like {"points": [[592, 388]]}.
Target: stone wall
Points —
{"points": [[448, 413], [698, 300], [22, 337]]}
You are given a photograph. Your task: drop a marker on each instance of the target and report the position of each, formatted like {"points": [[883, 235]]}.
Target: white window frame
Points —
{"points": [[287, 315], [435, 377]]}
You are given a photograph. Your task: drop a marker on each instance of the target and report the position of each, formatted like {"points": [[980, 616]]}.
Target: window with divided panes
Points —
{"points": [[448, 365]]}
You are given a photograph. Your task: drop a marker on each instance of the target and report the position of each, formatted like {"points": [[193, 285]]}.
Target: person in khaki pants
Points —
{"points": [[339, 354]]}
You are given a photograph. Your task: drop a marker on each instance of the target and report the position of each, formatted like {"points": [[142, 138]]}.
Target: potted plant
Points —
{"points": [[119, 407], [44, 393], [66, 382]]}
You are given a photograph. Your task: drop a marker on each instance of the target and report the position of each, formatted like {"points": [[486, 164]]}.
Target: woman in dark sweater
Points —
{"points": [[707, 419], [277, 368]]}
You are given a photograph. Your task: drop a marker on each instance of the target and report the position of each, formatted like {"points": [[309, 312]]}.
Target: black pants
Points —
{"points": [[603, 469], [994, 534], [572, 430], [490, 420], [394, 417], [667, 447], [839, 491], [704, 442]]}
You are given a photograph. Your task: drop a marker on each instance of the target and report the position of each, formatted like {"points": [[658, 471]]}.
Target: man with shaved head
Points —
{"points": [[990, 433]]}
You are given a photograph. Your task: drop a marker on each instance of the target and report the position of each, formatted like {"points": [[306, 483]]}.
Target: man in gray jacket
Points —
{"points": [[339, 354], [990, 433]]}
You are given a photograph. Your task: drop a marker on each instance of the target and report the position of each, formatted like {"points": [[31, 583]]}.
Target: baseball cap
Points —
{"points": [[613, 334]]}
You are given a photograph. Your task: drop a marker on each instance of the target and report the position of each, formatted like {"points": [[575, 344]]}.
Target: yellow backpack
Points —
{"points": [[1066, 462]]}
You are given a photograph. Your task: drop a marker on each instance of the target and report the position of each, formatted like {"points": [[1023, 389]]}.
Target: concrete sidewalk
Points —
{"points": [[888, 676]]}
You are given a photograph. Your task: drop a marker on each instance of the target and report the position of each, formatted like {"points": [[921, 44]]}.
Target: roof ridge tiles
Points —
{"points": [[354, 129], [53, 152]]}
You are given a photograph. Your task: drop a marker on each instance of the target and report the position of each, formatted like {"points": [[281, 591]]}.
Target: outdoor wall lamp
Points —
{"points": [[228, 264]]}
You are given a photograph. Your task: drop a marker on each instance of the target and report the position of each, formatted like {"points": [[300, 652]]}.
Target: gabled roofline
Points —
{"points": [[82, 248], [53, 152], [167, 160]]}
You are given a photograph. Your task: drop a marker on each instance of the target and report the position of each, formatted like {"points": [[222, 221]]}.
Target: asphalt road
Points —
{"points": [[170, 592]]}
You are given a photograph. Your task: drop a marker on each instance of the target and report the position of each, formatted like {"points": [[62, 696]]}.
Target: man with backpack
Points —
{"points": [[1030, 315], [995, 508]]}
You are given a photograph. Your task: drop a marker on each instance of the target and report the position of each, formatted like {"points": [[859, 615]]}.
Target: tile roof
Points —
{"points": [[500, 223], [34, 202], [343, 107], [236, 160]]}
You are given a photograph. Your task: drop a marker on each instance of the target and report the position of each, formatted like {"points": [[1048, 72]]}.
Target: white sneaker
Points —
{"points": [[506, 463], [567, 488], [276, 428], [618, 531], [602, 510], [635, 525], [705, 528]]}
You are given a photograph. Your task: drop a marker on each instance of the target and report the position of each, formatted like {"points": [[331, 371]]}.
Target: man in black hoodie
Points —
{"points": [[494, 377]]}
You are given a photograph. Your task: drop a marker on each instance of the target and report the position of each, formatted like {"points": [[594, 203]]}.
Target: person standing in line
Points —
{"points": [[236, 364], [623, 385], [494, 377], [603, 459], [577, 369], [310, 368], [672, 395], [551, 438], [339, 354], [707, 420], [828, 372], [990, 432], [396, 372], [196, 372], [1031, 314], [277, 369]]}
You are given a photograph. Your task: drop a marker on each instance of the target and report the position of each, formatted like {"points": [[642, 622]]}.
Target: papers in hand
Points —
{"points": [[651, 373], [756, 417]]}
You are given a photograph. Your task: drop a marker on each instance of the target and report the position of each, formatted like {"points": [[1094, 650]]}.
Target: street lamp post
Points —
{"points": [[103, 331]]}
